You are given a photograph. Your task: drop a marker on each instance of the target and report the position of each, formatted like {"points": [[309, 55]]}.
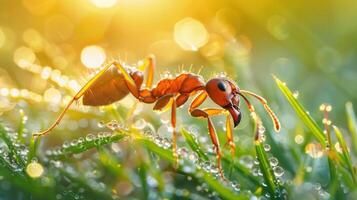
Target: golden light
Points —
{"points": [[24, 56], [2, 38], [104, 3], [33, 39], [93, 56], [190, 34], [52, 95], [314, 150], [34, 170], [277, 26], [299, 139]]}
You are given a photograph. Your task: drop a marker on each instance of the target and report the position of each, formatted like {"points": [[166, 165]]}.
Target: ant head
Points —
{"points": [[225, 94]]}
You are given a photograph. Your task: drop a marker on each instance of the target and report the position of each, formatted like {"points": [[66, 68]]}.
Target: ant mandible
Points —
{"points": [[115, 81]]}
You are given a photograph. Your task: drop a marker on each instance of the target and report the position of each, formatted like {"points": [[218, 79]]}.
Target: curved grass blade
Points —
{"points": [[352, 124], [299, 109], [193, 144], [84, 145], [346, 155]]}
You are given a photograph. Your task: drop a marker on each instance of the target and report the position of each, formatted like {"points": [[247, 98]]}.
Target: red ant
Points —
{"points": [[113, 83]]}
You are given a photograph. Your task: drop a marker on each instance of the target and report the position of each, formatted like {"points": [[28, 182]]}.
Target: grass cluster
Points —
{"points": [[135, 162]]}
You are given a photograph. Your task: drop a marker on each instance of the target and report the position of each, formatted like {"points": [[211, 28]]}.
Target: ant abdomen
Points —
{"points": [[110, 87]]}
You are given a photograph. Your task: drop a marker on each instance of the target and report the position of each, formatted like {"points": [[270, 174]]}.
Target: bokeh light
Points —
{"points": [[34, 170], [24, 56], [33, 39], [104, 3], [52, 95], [93, 56], [190, 34]]}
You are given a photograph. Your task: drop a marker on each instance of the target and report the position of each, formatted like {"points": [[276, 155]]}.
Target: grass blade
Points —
{"points": [[213, 183], [301, 112], [346, 155], [82, 145], [268, 174], [12, 149], [193, 144], [352, 125]]}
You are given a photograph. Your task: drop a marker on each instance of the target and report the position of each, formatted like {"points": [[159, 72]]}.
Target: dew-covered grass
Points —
{"points": [[300, 56], [134, 161]]}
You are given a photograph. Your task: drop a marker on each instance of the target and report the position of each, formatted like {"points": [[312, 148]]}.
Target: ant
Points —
{"points": [[115, 81]]}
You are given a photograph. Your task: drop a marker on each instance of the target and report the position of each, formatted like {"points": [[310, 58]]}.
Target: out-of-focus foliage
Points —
{"points": [[50, 48]]}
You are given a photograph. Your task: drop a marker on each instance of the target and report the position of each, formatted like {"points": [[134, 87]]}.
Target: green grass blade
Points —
{"points": [[213, 183], [12, 149], [196, 148], [21, 128], [143, 179], [301, 112], [346, 155], [86, 144], [193, 144], [268, 174], [352, 125], [224, 192], [33, 148]]}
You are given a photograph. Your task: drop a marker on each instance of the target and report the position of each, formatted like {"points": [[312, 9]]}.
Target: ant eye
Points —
{"points": [[221, 86]]}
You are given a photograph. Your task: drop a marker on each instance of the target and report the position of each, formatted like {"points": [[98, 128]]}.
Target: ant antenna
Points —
{"points": [[272, 115]]}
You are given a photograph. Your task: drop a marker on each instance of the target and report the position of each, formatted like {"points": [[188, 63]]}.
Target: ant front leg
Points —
{"points": [[207, 113], [129, 81]]}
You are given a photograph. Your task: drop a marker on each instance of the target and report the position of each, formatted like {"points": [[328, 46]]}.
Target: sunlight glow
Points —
{"points": [[23, 56], [104, 3], [93, 56], [190, 34], [2, 38], [52, 95]]}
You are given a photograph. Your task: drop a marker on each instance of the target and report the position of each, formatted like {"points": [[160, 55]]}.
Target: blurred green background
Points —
{"points": [[49, 48]]}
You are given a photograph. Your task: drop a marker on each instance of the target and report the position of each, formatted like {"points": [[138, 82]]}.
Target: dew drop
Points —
{"points": [[235, 186], [74, 143], [273, 161], [113, 125], [101, 124], [278, 171], [139, 124], [247, 161], [90, 137], [295, 94], [267, 147], [65, 145]]}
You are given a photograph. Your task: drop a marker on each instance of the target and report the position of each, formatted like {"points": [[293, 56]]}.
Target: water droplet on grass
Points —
{"points": [[267, 147], [139, 124], [273, 161], [278, 171], [90, 137]]}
